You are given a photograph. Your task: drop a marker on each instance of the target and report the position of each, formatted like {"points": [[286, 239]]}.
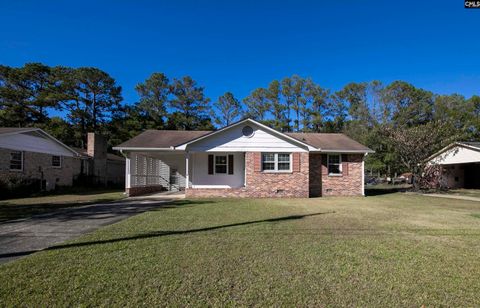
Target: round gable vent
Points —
{"points": [[247, 131]]}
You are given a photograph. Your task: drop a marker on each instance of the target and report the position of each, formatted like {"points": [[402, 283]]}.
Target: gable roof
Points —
{"points": [[267, 128], [173, 139], [160, 139], [330, 142], [19, 130], [466, 144]]}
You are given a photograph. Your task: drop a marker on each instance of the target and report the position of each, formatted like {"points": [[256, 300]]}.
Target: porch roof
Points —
{"points": [[161, 139]]}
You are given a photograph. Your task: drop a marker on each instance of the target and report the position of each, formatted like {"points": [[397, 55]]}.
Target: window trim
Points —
{"points": [[276, 162], [340, 165], [22, 161], [215, 164], [60, 159]]}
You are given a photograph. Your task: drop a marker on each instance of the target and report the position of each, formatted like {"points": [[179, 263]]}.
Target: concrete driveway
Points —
{"points": [[25, 236]]}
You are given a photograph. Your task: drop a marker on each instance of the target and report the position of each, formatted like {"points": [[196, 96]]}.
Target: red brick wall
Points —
{"points": [[349, 183], [315, 175], [262, 184]]}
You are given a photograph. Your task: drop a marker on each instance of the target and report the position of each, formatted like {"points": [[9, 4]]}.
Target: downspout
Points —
{"points": [[363, 174]]}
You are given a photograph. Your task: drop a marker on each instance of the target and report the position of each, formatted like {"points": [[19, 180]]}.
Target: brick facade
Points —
{"points": [[347, 184], [39, 166], [261, 184], [311, 179]]}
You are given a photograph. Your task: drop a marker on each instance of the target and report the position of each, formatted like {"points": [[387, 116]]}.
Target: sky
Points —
{"points": [[238, 46]]}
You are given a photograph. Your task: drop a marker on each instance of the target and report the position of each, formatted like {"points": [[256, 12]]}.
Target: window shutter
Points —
{"points": [[210, 164], [257, 161], [296, 162], [345, 164], [230, 164], [324, 164]]}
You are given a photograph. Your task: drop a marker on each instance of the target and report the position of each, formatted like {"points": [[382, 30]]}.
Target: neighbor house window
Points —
{"points": [[16, 160], [221, 164], [334, 164], [276, 161], [56, 161]]}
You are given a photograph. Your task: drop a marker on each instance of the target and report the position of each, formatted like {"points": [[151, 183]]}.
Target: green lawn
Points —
{"points": [[386, 250], [465, 192], [26, 207]]}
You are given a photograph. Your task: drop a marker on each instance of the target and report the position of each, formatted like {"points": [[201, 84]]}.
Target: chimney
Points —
{"points": [[96, 146]]}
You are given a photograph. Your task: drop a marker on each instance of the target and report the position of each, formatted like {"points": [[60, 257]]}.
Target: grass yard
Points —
{"points": [[386, 250], [26, 207], [465, 192]]}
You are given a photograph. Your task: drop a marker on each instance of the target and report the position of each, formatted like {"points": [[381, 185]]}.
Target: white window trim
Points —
{"points": [[22, 160], [275, 163], [339, 162], [61, 162], [215, 164]]}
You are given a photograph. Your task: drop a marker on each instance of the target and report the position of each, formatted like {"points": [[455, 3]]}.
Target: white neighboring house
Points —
{"points": [[460, 163]]}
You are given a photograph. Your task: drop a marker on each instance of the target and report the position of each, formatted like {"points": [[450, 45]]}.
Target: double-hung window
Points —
{"points": [[334, 164], [221, 164], [16, 160], [56, 161], [276, 162]]}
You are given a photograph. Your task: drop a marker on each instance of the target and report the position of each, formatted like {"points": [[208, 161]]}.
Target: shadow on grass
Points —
{"points": [[164, 233], [102, 209], [374, 191]]}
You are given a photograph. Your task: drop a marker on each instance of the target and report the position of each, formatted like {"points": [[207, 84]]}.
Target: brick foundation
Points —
{"points": [[142, 190]]}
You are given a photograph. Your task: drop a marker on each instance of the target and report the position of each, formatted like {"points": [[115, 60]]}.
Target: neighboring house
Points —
{"points": [[460, 164], [245, 159], [32, 155]]}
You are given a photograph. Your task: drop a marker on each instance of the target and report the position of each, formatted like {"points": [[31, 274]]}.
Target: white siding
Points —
{"points": [[232, 140], [457, 155], [31, 143], [201, 179]]}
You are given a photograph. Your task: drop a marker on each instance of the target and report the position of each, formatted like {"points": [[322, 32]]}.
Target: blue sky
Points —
{"points": [[238, 46]]}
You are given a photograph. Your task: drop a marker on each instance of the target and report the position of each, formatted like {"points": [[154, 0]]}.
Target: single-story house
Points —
{"points": [[460, 165], [33, 156], [244, 159]]}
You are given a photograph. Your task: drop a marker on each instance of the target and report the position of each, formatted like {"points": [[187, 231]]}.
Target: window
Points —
{"points": [[334, 164], [56, 161], [16, 160], [221, 164], [276, 162]]}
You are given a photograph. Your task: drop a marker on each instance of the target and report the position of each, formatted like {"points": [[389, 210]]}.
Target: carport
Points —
{"points": [[460, 164]]}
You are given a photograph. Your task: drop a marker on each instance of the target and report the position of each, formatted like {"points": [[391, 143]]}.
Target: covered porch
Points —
{"points": [[153, 171]]}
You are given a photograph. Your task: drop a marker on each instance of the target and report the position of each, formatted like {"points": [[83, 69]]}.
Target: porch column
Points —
{"points": [[187, 174], [363, 174], [127, 173]]}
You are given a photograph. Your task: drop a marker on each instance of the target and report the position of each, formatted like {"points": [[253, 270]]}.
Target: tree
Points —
{"points": [[154, 94], [297, 93], [189, 104], [278, 109], [414, 144], [257, 104], [26, 94], [289, 97], [226, 109], [90, 96], [406, 105]]}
